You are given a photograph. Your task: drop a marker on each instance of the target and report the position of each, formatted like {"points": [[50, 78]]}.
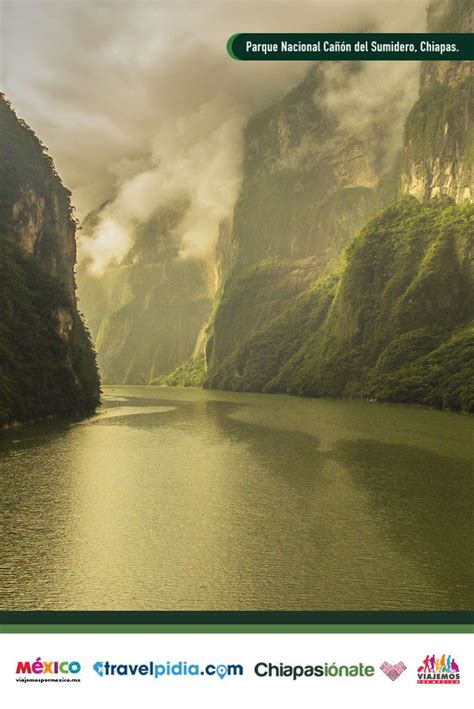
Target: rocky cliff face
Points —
{"points": [[146, 312], [439, 132], [47, 365], [35, 207], [310, 180], [393, 322], [299, 302], [391, 317]]}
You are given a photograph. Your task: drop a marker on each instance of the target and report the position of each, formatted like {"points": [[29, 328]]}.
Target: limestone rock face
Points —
{"points": [[33, 219], [439, 133], [389, 316], [146, 312], [311, 178], [47, 364], [35, 207]]}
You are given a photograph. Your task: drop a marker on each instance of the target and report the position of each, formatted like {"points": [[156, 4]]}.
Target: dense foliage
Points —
{"points": [[146, 312], [26, 167], [190, 374], [47, 364], [392, 322], [437, 107], [41, 372]]}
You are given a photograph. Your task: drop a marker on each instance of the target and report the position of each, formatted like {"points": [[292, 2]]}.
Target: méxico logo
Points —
{"points": [[48, 670], [439, 670]]}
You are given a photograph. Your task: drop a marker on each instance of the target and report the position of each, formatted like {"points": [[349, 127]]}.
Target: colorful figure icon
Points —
{"points": [[432, 663], [426, 663], [442, 664], [454, 666]]}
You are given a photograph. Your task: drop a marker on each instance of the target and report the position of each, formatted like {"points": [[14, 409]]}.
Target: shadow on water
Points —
{"points": [[178, 411], [178, 503], [32, 435], [419, 501], [423, 503]]}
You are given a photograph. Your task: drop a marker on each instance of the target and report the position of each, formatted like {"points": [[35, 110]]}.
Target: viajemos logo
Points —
{"points": [[167, 669], [439, 670]]}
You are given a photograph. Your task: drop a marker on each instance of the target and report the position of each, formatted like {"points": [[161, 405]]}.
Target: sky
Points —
{"points": [[138, 101]]}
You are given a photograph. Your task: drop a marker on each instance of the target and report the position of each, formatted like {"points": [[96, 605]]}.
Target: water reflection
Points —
{"points": [[422, 502], [201, 500]]}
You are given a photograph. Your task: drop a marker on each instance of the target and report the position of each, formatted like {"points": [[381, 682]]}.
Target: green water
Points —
{"points": [[187, 499]]}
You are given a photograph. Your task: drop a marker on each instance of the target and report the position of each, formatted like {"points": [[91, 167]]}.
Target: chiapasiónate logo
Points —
{"points": [[439, 670], [48, 670], [393, 672], [270, 669], [183, 668]]}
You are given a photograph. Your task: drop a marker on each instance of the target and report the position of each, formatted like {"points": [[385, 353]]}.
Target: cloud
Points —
{"points": [[374, 95], [194, 159], [138, 100]]}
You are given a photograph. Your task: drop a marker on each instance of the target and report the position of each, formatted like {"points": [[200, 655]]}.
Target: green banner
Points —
{"points": [[334, 46], [244, 628], [236, 621]]}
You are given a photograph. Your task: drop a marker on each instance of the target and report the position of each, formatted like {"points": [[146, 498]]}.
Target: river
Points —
{"points": [[199, 500]]}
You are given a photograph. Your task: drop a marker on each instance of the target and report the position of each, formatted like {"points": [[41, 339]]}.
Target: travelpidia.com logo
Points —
{"points": [[183, 668], [439, 670], [393, 672], [48, 671]]}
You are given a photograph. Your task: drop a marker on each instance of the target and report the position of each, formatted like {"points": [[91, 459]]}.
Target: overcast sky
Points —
{"points": [[114, 88]]}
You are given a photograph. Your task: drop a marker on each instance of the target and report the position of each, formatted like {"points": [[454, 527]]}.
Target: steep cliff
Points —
{"points": [[311, 180], [439, 132], [288, 300], [394, 321], [392, 317], [146, 312], [47, 365]]}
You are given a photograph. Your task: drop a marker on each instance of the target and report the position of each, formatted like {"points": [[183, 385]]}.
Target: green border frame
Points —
{"points": [[236, 621], [244, 628]]}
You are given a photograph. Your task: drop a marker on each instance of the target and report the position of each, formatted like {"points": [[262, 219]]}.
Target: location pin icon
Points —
{"points": [[221, 671]]}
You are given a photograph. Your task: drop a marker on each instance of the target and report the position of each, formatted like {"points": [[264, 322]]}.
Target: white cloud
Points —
{"points": [[139, 101]]}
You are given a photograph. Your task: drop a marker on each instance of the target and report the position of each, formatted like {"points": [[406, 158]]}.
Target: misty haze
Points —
{"points": [[236, 311]]}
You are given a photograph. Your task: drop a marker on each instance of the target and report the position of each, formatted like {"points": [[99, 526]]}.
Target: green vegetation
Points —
{"points": [[25, 162], [391, 318], [42, 372], [47, 365], [254, 364], [33, 200], [190, 374], [443, 378], [253, 297], [438, 106], [146, 313], [392, 322]]}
